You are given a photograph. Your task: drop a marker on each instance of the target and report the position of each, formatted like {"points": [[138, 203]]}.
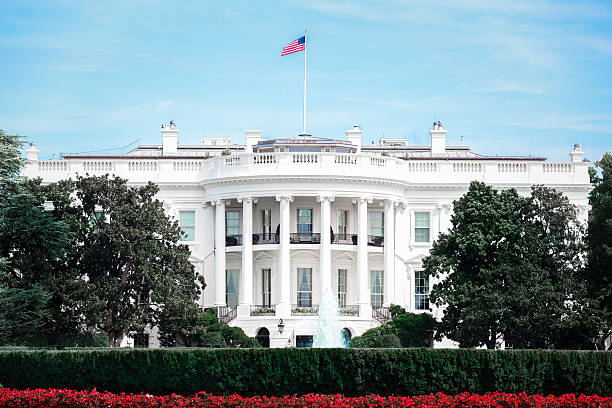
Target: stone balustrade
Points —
{"points": [[417, 171]]}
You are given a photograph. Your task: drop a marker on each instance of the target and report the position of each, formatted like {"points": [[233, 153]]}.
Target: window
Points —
{"points": [[377, 224], [342, 273], [303, 341], [141, 340], [266, 224], [421, 227], [282, 150], [187, 223], [232, 277], [232, 223], [421, 291], [342, 223], [376, 287], [266, 287], [304, 221], [304, 287]]}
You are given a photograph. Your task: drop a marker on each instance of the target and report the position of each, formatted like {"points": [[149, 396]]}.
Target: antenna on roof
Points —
{"points": [[461, 140]]}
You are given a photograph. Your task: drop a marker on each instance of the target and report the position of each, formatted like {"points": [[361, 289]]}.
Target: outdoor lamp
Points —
{"points": [[281, 326]]}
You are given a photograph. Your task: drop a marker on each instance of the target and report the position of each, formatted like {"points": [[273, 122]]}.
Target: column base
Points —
{"points": [[365, 311], [283, 310], [243, 311]]}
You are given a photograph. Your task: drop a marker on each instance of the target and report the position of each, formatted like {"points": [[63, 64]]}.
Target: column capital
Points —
{"points": [[217, 202], [246, 199], [363, 200], [325, 198], [285, 197], [391, 203]]}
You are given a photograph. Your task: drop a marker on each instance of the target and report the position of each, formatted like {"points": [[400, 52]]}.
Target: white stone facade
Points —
{"points": [[333, 213]]}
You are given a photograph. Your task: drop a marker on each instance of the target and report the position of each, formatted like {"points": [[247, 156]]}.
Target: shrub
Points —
{"points": [[212, 339], [302, 371]]}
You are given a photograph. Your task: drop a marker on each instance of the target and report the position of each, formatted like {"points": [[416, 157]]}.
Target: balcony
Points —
{"points": [[265, 238], [262, 310], [233, 240], [376, 240], [349, 310], [344, 239], [305, 238], [304, 310]]}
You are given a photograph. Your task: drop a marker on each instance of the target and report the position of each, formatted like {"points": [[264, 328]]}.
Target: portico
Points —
{"points": [[338, 241]]}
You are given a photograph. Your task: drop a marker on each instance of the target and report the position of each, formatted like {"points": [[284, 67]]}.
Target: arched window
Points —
{"points": [[263, 337], [346, 336]]}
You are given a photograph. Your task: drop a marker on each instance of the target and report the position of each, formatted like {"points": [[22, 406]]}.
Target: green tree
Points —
{"points": [[22, 313], [507, 269], [598, 273], [130, 252], [34, 248]]}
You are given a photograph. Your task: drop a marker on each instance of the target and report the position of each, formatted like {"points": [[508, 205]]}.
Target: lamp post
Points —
{"points": [[281, 326]]}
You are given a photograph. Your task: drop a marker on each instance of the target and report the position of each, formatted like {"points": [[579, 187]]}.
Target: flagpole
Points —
{"points": [[304, 117]]}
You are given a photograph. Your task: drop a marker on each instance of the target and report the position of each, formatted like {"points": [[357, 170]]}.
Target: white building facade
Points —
{"points": [[273, 223]]}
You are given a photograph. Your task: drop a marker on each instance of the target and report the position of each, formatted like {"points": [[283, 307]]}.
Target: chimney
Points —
{"points": [[354, 136], [438, 138], [169, 138], [32, 152], [576, 155], [252, 137]]}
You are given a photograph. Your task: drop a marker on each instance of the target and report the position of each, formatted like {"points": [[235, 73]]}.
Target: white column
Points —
{"points": [[363, 300], [219, 253], [246, 276], [389, 277], [283, 308], [325, 251]]}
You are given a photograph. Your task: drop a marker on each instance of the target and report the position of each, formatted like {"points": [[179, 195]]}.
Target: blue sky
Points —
{"points": [[511, 77]]}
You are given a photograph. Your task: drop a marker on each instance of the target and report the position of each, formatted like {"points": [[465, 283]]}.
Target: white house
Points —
{"points": [[273, 223]]}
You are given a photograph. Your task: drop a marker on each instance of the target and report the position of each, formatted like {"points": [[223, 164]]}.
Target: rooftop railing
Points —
{"points": [[325, 164]]}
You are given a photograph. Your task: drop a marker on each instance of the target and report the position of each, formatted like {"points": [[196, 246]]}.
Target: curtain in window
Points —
{"points": [[232, 281], [304, 288], [376, 287]]}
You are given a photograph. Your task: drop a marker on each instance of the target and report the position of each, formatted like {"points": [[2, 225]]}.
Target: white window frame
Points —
{"points": [[342, 295], [380, 294], [297, 286], [382, 227], [347, 224], [233, 210], [195, 222], [429, 228], [417, 295]]}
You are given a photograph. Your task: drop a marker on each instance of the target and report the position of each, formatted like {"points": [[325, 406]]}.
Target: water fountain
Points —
{"points": [[328, 332]]}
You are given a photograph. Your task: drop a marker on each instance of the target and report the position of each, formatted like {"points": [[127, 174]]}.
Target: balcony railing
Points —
{"points": [[226, 314], [265, 238], [382, 314], [305, 238], [346, 239], [349, 310], [233, 240], [261, 310], [304, 310], [376, 240]]}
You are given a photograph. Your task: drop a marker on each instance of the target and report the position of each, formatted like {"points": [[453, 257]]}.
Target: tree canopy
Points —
{"points": [[507, 269]]}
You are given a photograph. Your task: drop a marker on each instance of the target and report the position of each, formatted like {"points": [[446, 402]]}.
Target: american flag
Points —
{"points": [[295, 46]]}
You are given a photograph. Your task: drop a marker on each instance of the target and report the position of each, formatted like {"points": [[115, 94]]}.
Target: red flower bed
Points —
{"points": [[73, 399]]}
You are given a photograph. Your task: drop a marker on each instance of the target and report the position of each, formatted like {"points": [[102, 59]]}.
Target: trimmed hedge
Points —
{"points": [[301, 371]]}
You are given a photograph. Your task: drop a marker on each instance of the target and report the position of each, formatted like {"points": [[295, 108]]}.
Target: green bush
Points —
{"points": [[301, 371], [212, 339], [412, 330]]}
